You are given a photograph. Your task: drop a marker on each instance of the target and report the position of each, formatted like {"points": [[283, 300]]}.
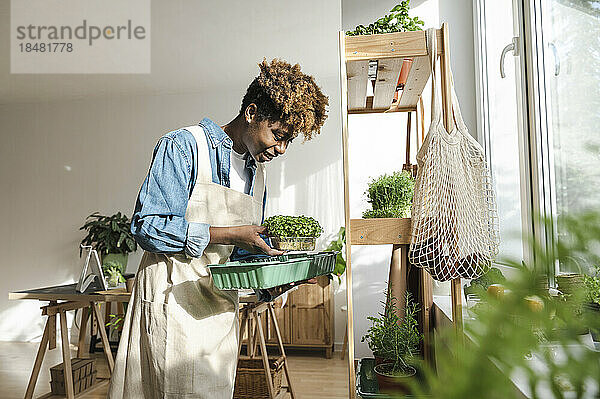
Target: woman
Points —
{"points": [[203, 201]]}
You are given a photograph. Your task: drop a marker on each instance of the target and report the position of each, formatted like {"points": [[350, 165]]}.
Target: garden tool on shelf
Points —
{"points": [[408, 166]]}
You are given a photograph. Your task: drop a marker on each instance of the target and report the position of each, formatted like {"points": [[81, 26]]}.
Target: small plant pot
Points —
{"points": [[389, 382], [294, 243], [569, 283], [111, 283], [121, 259], [129, 283]]}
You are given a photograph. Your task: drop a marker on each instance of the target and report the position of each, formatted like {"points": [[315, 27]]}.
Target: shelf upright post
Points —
{"points": [[448, 116], [350, 314]]}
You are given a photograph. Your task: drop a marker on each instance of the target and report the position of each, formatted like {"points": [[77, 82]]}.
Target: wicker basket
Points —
{"points": [[294, 243], [250, 379]]}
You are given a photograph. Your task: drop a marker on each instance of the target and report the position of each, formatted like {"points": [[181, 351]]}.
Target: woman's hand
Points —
{"points": [[246, 237]]}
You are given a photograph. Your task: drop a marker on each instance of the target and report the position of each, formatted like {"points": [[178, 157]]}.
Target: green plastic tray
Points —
{"points": [[273, 271], [366, 380]]}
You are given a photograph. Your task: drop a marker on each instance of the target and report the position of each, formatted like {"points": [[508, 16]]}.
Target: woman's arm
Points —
{"points": [[158, 223]]}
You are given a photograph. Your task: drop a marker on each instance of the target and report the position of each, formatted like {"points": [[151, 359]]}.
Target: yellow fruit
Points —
{"points": [[535, 303], [496, 290]]}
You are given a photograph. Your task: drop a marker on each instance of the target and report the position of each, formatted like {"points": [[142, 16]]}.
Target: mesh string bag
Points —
{"points": [[454, 216]]}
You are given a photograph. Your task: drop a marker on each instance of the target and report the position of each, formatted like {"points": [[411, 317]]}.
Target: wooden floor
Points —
{"points": [[312, 375]]}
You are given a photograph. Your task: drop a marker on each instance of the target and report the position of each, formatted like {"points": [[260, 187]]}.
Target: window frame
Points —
{"points": [[535, 127]]}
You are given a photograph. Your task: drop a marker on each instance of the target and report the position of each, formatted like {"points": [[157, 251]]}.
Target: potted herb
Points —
{"points": [[390, 196], [294, 233], [395, 343], [397, 20], [111, 237], [113, 273]]}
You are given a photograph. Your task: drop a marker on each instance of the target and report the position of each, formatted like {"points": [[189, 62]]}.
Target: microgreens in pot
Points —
{"points": [[292, 226]]}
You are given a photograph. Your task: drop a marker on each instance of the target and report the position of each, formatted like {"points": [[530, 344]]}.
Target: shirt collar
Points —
{"points": [[216, 135], [250, 162]]}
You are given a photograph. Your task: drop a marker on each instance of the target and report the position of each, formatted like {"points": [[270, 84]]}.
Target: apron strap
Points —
{"points": [[259, 182], [204, 172]]}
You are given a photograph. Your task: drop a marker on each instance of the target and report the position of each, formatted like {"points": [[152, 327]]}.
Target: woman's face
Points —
{"points": [[266, 140]]}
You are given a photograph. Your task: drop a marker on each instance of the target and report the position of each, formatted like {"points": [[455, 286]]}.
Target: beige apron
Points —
{"points": [[180, 333]]}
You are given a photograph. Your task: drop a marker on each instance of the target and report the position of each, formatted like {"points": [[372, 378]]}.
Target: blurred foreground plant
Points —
{"points": [[508, 332]]}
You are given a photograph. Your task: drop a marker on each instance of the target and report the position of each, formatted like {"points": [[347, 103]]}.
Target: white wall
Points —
{"points": [[377, 142], [75, 144], [204, 55]]}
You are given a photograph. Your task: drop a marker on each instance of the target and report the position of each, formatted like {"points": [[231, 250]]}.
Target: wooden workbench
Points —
{"points": [[61, 299]]}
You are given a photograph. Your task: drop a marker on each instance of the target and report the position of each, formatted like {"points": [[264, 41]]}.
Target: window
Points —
{"points": [[571, 43], [539, 123], [499, 119]]}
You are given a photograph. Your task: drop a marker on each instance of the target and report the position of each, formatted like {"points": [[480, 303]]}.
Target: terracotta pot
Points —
{"points": [[393, 383], [129, 284]]}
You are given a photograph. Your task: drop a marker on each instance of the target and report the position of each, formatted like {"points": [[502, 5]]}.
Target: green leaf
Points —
{"points": [[107, 233]]}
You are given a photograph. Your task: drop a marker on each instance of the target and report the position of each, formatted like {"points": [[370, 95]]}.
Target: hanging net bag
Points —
{"points": [[454, 217]]}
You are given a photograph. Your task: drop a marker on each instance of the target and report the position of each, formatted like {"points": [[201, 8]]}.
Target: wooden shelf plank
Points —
{"points": [[358, 78], [381, 110], [388, 45], [418, 76], [389, 50], [388, 71], [380, 231]]}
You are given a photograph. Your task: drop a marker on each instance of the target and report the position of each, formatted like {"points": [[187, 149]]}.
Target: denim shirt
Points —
{"points": [[158, 223]]}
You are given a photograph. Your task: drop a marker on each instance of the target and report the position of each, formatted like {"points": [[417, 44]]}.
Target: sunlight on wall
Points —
{"points": [[377, 145]]}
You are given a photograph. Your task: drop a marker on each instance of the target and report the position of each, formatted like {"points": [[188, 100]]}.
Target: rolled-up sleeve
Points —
{"points": [[158, 223]]}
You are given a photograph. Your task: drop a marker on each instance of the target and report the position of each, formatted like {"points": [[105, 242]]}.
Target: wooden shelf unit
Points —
{"points": [[388, 52], [379, 231]]}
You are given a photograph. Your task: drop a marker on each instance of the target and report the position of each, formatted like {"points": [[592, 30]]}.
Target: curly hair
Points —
{"points": [[283, 93]]}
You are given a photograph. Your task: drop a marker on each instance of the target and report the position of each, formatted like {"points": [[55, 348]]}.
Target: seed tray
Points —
{"points": [[272, 271]]}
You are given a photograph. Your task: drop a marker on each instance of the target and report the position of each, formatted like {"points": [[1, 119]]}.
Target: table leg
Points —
{"points": [[121, 312], [105, 343], [52, 331], [265, 357], [243, 324], [66, 352], [107, 310], [345, 345], [255, 344], [250, 344], [83, 325], [280, 343], [38, 361]]}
